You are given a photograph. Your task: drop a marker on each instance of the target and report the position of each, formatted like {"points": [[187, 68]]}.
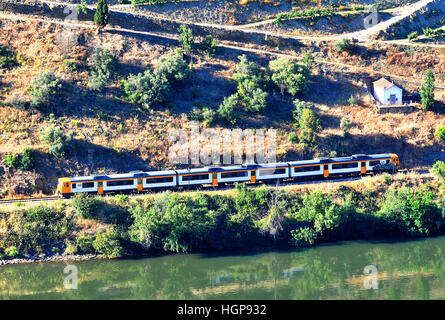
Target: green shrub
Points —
{"points": [[172, 223], [228, 109], [413, 35], [351, 100], [86, 206], [107, 243], [12, 252], [209, 115], [101, 15], [249, 70], [208, 45], [12, 160], [7, 58], [307, 59], [303, 237], [173, 67], [58, 142], [146, 89], [27, 159], [439, 169], [253, 98], [85, 243], [292, 137], [121, 198], [288, 75], [411, 212], [101, 65], [440, 133], [299, 107], [346, 124], [343, 45], [186, 38], [44, 87]]}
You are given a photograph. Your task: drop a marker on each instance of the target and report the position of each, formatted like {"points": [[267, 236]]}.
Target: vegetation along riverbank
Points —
{"points": [[300, 215]]}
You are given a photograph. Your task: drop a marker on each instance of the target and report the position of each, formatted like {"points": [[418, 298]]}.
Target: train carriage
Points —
{"points": [[155, 180]]}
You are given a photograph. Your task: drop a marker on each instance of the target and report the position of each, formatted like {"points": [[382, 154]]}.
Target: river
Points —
{"points": [[341, 270]]}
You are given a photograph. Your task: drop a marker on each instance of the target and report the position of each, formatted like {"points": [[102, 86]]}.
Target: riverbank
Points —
{"points": [[88, 227]]}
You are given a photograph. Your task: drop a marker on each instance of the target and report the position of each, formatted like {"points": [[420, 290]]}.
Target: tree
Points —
{"points": [[346, 125], [146, 89], [427, 91], [289, 75], [343, 45], [228, 109], [101, 65], [299, 107], [186, 38], [249, 70], [174, 67], [310, 125], [440, 133], [253, 97], [439, 169], [413, 35], [101, 15], [208, 45]]}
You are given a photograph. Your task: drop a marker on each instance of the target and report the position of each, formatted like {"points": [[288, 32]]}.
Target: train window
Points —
{"points": [[336, 166], [73, 186], [271, 171], [88, 185], [160, 180], [100, 184], [195, 177], [373, 163], [234, 174], [120, 183]]}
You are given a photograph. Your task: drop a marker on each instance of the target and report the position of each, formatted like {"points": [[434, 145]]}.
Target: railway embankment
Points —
{"points": [[88, 227]]}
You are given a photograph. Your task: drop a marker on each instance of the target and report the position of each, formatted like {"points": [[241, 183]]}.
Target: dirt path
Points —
{"points": [[220, 45]]}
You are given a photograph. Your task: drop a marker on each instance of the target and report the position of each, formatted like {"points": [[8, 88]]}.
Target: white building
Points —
{"points": [[387, 92]]}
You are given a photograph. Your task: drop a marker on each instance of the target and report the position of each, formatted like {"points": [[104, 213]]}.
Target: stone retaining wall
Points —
{"points": [[395, 109], [143, 23]]}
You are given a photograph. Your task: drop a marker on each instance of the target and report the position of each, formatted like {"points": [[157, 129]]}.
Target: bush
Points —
{"points": [[307, 59], [107, 243], [7, 58], [413, 35], [208, 45], [12, 160], [248, 70], [299, 107], [343, 45], [85, 243], [228, 109], [209, 115], [44, 87], [346, 124], [440, 133], [292, 137], [101, 68], [253, 98], [439, 169], [174, 67], [186, 38], [172, 223], [86, 206], [351, 100], [411, 212], [25, 161], [303, 237], [289, 75], [146, 89], [12, 252], [58, 142]]}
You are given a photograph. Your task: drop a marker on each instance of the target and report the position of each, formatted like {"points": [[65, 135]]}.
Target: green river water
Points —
{"points": [[404, 270]]}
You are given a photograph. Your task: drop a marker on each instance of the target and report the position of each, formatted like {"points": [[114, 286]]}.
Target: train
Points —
{"points": [[139, 181]]}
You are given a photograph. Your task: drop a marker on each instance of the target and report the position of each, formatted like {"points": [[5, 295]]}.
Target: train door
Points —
{"points": [[363, 168], [100, 187], [325, 170], [139, 184], [252, 176], [214, 179]]}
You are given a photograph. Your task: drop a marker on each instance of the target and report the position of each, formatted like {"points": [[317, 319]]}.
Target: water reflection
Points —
{"points": [[407, 270]]}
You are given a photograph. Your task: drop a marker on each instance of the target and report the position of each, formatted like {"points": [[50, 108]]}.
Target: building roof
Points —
{"points": [[384, 84]]}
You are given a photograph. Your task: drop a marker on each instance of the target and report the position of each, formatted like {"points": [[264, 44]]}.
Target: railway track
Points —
{"points": [[222, 188]]}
